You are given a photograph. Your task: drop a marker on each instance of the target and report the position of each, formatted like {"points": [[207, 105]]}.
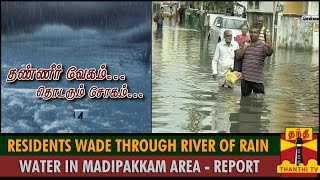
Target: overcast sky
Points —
{"points": [[122, 17]]}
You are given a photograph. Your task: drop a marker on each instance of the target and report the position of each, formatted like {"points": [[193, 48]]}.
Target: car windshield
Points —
{"points": [[232, 23], [166, 8]]}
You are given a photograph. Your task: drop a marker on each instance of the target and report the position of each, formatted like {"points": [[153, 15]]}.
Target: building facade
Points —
{"points": [[293, 33], [283, 19]]}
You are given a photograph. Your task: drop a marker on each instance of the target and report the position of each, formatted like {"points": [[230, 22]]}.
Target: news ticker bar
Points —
{"points": [[200, 166], [141, 145]]}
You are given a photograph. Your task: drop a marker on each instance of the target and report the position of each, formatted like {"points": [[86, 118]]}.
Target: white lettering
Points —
{"points": [[47, 166], [185, 166], [127, 166], [241, 166]]}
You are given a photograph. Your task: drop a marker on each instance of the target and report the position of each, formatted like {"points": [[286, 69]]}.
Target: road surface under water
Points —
{"points": [[185, 98]]}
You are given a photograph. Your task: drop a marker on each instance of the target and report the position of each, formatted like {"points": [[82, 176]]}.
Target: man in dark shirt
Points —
{"points": [[253, 55], [181, 13]]}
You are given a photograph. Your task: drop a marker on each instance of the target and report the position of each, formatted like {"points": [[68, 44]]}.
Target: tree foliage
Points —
{"points": [[219, 5]]}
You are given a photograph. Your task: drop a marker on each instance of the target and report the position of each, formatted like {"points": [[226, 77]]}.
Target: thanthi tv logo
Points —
{"points": [[298, 153]]}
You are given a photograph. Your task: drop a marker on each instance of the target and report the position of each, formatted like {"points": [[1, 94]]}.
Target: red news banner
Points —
{"points": [[136, 155]]}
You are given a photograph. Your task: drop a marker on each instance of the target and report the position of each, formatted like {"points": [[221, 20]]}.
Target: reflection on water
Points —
{"points": [[186, 99]]}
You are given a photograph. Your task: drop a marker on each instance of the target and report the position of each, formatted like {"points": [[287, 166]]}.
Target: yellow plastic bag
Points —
{"points": [[231, 77]]}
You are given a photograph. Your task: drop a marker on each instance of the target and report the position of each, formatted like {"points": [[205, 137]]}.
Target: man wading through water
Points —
{"points": [[223, 58], [158, 18], [253, 55], [264, 32]]}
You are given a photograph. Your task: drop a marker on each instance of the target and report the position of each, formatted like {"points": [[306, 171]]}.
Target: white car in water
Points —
{"points": [[223, 23], [211, 17]]}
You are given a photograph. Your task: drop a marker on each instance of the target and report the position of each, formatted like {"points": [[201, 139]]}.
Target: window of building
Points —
{"points": [[250, 5], [256, 4]]}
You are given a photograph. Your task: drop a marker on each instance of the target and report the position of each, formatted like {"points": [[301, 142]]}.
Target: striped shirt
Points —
{"points": [[261, 36], [253, 62]]}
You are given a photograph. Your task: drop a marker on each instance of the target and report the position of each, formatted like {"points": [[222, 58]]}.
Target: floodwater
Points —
{"points": [[185, 98]]}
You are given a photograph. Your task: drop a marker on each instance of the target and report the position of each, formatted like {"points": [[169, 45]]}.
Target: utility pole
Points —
{"points": [[201, 8], [275, 22]]}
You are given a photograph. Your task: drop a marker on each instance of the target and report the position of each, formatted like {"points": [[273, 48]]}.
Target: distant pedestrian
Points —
{"points": [[241, 39], [244, 14], [170, 13], [229, 12], [253, 55], [264, 32], [158, 18], [223, 59], [181, 13]]}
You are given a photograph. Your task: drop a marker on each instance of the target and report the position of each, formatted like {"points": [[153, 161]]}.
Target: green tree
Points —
{"points": [[219, 5]]}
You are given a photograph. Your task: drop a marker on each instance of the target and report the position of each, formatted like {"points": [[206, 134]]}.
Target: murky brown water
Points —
{"points": [[186, 99]]}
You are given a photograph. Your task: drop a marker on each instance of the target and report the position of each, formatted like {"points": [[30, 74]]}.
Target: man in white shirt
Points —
{"points": [[223, 58]]}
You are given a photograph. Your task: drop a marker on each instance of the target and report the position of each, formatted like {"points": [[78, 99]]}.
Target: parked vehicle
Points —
{"points": [[223, 23], [212, 17]]}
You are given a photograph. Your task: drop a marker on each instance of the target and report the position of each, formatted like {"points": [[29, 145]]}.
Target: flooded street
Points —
{"points": [[185, 98]]}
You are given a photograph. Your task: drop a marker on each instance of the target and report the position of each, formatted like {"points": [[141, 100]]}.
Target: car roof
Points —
{"points": [[233, 17]]}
